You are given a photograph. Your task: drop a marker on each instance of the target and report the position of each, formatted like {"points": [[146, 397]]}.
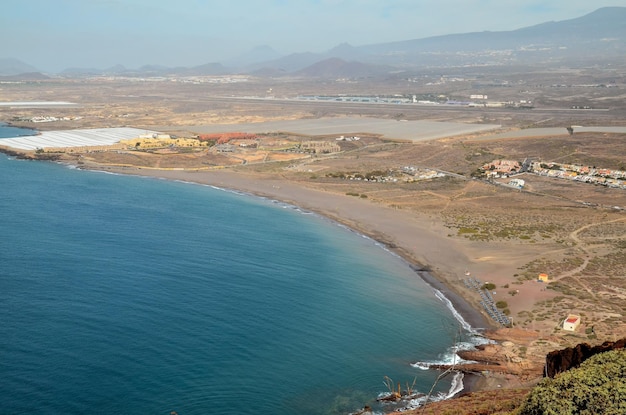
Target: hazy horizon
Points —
{"points": [[53, 36]]}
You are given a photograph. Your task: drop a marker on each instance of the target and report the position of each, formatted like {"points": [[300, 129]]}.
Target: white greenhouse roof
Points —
{"points": [[74, 138]]}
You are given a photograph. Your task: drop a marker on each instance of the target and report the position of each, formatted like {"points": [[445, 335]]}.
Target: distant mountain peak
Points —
{"points": [[263, 48], [584, 38], [345, 51], [116, 69], [12, 66], [334, 67], [261, 53], [343, 46]]}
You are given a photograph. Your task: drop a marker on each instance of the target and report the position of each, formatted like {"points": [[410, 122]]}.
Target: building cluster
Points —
{"points": [[225, 148], [221, 138], [586, 174], [192, 79], [499, 168], [146, 141], [475, 100], [47, 118], [417, 173], [375, 99], [351, 138], [504, 104], [371, 177], [84, 149], [197, 80], [407, 174], [320, 147]]}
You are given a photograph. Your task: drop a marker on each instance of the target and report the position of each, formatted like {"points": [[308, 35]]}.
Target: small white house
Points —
{"points": [[571, 323], [518, 183]]}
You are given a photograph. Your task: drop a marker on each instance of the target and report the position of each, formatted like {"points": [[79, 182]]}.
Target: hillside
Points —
{"points": [[10, 67], [595, 386], [600, 34]]}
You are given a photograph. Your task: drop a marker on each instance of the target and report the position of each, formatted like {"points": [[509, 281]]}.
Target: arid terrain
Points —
{"points": [[573, 231]]}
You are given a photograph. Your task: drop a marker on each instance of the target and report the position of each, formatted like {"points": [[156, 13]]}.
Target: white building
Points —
{"points": [[571, 323], [517, 183]]}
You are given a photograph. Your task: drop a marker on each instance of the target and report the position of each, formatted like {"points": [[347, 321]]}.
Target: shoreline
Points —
{"points": [[418, 241], [253, 186], [471, 316], [318, 202], [353, 213]]}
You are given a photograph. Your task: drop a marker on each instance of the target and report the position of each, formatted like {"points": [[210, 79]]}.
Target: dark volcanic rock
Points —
{"points": [[562, 360]]}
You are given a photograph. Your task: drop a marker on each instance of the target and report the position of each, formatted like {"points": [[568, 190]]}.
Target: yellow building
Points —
{"points": [[543, 277], [160, 141]]}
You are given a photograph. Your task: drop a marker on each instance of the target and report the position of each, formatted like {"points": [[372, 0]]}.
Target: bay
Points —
{"points": [[129, 295], [7, 131]]}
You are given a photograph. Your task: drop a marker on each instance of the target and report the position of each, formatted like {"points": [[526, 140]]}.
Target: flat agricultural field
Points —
{"points": [[386, 128]]}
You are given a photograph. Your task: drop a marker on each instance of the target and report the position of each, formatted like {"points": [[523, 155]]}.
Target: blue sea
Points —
{"points": [[129, 295]]}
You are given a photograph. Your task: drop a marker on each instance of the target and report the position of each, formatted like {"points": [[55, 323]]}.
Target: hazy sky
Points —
{"points": [[55, 34]]}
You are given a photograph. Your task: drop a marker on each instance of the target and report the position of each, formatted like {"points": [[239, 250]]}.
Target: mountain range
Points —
{"points": [[596, 37]]}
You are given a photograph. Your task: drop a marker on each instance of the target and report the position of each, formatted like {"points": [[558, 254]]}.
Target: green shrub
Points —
{"points": [[598, 386], [501, 304]]}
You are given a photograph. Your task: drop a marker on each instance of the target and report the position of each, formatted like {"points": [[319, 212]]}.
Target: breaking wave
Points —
{"points": [[470, 339], [455, 387]]}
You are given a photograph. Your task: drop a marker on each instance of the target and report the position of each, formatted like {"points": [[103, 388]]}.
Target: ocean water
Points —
{"points": [[7, 131], [127, 295]]}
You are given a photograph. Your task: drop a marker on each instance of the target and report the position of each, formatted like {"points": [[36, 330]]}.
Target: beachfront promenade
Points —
{"points": [[487, 301]]}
